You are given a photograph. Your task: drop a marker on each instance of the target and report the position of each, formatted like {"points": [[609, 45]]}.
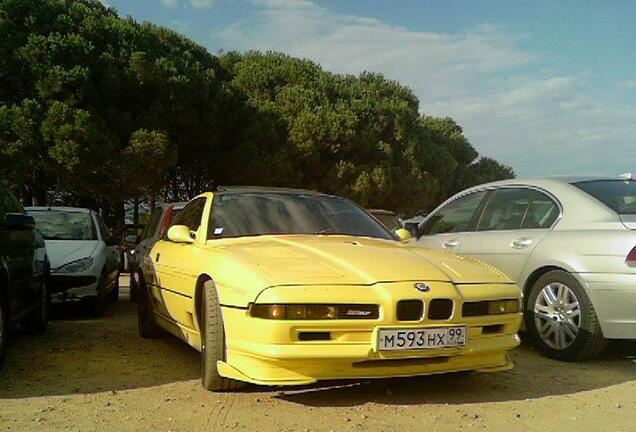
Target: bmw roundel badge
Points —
{"points": [[420, 286]]}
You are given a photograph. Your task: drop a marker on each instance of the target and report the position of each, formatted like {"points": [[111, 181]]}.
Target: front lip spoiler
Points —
{"points": [[60, 283]]}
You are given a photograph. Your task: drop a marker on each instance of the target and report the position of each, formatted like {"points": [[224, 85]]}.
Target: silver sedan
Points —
{"points": [[569, 242]]}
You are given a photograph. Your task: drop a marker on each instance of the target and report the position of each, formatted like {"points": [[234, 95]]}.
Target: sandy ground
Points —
{"points": [[86, 374]]}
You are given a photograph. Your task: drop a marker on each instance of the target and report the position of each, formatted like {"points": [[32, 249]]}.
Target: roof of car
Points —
{"points": [[544, 181], [176, 205], [264, 189], [64, 209], [381, 211]]}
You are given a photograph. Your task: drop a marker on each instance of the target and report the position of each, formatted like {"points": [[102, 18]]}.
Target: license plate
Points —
{"points": [[396, 339]]}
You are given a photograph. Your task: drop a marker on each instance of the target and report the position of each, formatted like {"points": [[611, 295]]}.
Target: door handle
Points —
{"points": [[521, 243], [450, 244], [157, 257]]}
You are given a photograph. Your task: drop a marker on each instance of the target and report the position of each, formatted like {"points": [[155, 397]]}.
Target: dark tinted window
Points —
{"points": [[619, 195], [455, 216], [261, 213], [389, 220], [151, 225], [505, 209], [542, 213], [191, 214]]}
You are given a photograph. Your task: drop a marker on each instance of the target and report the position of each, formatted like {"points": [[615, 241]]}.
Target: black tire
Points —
{"points": [[148, 328], [588, 342], [213, 342], [4, 328], [113, 296], [37, 321], [134, 287]]}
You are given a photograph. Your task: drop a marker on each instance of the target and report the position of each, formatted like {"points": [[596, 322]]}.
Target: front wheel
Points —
{"points": [[37, 322], [213, 342], [560, 318], [113, 296], [4, 328], [148, 328]]}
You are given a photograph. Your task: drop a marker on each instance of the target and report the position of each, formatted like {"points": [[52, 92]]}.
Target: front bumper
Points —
{"points": [[270, 351], [72, 287], [614, 298]]}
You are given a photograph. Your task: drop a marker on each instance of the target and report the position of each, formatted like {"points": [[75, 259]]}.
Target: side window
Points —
{"points": [[191, 214], [505, 209], [455, 216], [151, 225], [542, 212], [103, 231]]}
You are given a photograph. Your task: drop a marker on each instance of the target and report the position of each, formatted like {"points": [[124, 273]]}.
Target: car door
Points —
{"points": [[445, 228], [174, 275], [512, 223], [19, 252]]}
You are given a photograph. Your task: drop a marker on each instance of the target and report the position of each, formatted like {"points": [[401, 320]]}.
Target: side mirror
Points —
{"points": [[130, 239], [403, 234], [112, 241], [180, 234], [18, 222]]}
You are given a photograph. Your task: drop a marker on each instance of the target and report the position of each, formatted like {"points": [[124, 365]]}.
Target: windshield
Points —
{"points": [[64, 225], [260, 213], [619, 195]]}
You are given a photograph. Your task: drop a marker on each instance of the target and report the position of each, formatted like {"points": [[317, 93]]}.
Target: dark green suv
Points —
{"points": [[24, 269]]}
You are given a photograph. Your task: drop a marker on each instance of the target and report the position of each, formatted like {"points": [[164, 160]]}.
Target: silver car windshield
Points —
{"points": [[619, 195], [240, 214], [64, 225]]}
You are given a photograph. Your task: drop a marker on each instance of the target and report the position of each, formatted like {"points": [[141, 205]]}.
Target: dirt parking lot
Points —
{"points": [[86, 374]]}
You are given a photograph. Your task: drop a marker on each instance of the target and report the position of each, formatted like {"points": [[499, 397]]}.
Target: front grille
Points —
{"points": [[358, 311], [410, 310], [314, 336], [440, 309]]}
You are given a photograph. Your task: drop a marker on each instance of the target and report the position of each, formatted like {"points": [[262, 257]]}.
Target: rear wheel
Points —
{"points": [[134, 287], [561, 320], [213, 342], [148, 327]]}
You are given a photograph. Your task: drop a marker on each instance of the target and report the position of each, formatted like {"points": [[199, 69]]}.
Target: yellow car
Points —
{"points": [[284, 287]]}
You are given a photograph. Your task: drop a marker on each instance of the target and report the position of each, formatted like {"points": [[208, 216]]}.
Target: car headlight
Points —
{"points": [[314, 311], [77, 266], [492, 307]]}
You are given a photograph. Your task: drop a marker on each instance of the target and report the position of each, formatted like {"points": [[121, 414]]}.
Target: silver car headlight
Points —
{"points": [[77, 266]]}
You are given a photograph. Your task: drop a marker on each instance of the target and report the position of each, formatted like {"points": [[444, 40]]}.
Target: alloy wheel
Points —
{"points": [[557, 316]]}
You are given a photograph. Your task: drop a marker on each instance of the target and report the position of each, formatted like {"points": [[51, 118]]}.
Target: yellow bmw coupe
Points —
{"points": [[283, 287]]}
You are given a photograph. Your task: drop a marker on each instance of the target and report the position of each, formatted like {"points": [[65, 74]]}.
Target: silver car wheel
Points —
{"points": [[557, 316]]}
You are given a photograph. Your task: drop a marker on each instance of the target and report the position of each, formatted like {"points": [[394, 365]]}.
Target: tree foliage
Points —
{"points": [[101, 110]]}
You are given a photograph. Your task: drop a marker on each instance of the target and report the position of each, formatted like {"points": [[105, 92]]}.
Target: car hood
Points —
{"points": [[65, 251], [315, 260]]}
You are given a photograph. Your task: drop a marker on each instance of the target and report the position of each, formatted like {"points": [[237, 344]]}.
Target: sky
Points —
{"points": [[546, 87]]}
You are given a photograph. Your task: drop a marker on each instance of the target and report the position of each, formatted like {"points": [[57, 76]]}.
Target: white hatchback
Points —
{"points": [[84, 255]]}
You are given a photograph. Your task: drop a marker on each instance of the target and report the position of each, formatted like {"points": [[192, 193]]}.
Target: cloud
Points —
{"points": [[197, 4], [484, 77], [202, 4]]}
